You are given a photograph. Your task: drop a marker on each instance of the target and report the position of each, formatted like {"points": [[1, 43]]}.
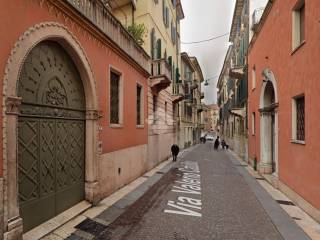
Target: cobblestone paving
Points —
{"points": [[230, 209]]}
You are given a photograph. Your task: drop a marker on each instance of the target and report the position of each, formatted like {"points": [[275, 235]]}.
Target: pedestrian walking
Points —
{"points": [[216, 144], [223, 144], [175, 151]]}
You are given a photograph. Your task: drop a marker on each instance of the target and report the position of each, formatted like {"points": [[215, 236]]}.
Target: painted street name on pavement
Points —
{"points": [[189, 185]]}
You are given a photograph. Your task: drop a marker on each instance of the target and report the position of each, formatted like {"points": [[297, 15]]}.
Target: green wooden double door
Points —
{"points": [[51, 135]]}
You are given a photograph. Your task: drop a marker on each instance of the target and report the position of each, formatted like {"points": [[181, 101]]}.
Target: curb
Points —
{"points": [[90, 229], [286, 226]]}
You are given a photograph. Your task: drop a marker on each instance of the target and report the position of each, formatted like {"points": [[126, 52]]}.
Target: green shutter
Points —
{"points": [[159, 49], [164, 11]]}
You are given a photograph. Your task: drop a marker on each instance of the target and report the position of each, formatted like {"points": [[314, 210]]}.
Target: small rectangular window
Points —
{"points": [[114, 98], [298, 118], [253, 123], [254, 76], [302, 22], [139, 105], [298, 24]]}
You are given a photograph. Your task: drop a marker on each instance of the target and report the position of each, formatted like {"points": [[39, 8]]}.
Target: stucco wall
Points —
{"points": [[295, 73], [122, 166], [162, 133]]}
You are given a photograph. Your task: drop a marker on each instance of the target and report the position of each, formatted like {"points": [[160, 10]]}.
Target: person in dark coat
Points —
{"points": [[175, 151], [216, 144], [223, 144]]}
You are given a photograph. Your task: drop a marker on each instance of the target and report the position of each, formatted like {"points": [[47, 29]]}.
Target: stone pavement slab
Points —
{"points": [[230, 205]]}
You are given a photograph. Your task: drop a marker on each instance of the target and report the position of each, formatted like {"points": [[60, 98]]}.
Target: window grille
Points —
{"points": [[114, 98], [139, 105], [300, 119]]}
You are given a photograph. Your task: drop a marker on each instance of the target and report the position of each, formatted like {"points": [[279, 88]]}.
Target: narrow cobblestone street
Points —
{"points": [[229, 208]]}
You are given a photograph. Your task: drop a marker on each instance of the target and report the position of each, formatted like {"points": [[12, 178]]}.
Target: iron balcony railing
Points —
{"points": [[178, 88], [97, 13]]}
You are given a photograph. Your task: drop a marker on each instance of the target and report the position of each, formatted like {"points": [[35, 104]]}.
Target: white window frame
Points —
{"points": [[121, 87], [294, 120], [253, 124], [296, 38], [254, 78], [141, 125]]}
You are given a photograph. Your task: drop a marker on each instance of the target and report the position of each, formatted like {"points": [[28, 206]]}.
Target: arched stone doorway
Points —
{"points": [[58, 35], [51, 135], [268, 124]]}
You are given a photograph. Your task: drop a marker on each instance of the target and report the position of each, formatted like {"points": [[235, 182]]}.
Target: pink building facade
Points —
{"points": [[74, 90], [284, 108]]}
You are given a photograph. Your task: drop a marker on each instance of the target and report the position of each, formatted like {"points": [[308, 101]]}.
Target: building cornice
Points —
{"points": [[79, 19], [195, 62], [226, 59], [187, 59], [264, 17], [237, 12]]}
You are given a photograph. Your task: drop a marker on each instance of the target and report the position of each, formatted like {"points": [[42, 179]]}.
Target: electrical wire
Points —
{"points": [[207, 40]]}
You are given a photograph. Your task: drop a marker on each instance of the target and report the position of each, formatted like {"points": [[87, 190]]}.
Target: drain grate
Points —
{"points": [[283, 202], [144, 176], [160, 172], [92, 227], [259, 178], [296, 218]]}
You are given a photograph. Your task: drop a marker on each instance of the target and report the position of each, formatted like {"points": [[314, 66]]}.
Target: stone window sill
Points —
{"points": [[298, 47], [298, 142], [113, 125], [140, 126]]}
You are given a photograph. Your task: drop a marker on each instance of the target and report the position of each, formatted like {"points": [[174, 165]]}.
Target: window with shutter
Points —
{"points": [[164, 11], [159, 49], [153, 43]]}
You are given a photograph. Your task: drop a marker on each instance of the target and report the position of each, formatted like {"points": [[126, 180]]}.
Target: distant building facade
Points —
{"points": [[189, 110], [211, 118], [162, 43], [284, 100], [232, 83]]}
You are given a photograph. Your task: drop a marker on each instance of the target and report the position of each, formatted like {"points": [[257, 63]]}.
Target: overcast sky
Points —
{"points": [[205, 19]]}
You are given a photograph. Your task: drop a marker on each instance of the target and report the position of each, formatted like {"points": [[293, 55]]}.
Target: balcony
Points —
{"points": [[200, 108], [194, 86], [178, 92], [237, 73], [96, 12], [161, 75], [256, 16], [114, 4]]}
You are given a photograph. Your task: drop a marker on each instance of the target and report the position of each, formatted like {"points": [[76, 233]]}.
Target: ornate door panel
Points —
{"points": [[51, 135]]}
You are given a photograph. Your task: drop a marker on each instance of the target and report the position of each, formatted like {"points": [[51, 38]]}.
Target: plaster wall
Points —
{"points": [[296, 72]]}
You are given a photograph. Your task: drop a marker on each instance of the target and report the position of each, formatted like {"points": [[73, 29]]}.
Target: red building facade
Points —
{"points": [[74, 93], [284, 99]]}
